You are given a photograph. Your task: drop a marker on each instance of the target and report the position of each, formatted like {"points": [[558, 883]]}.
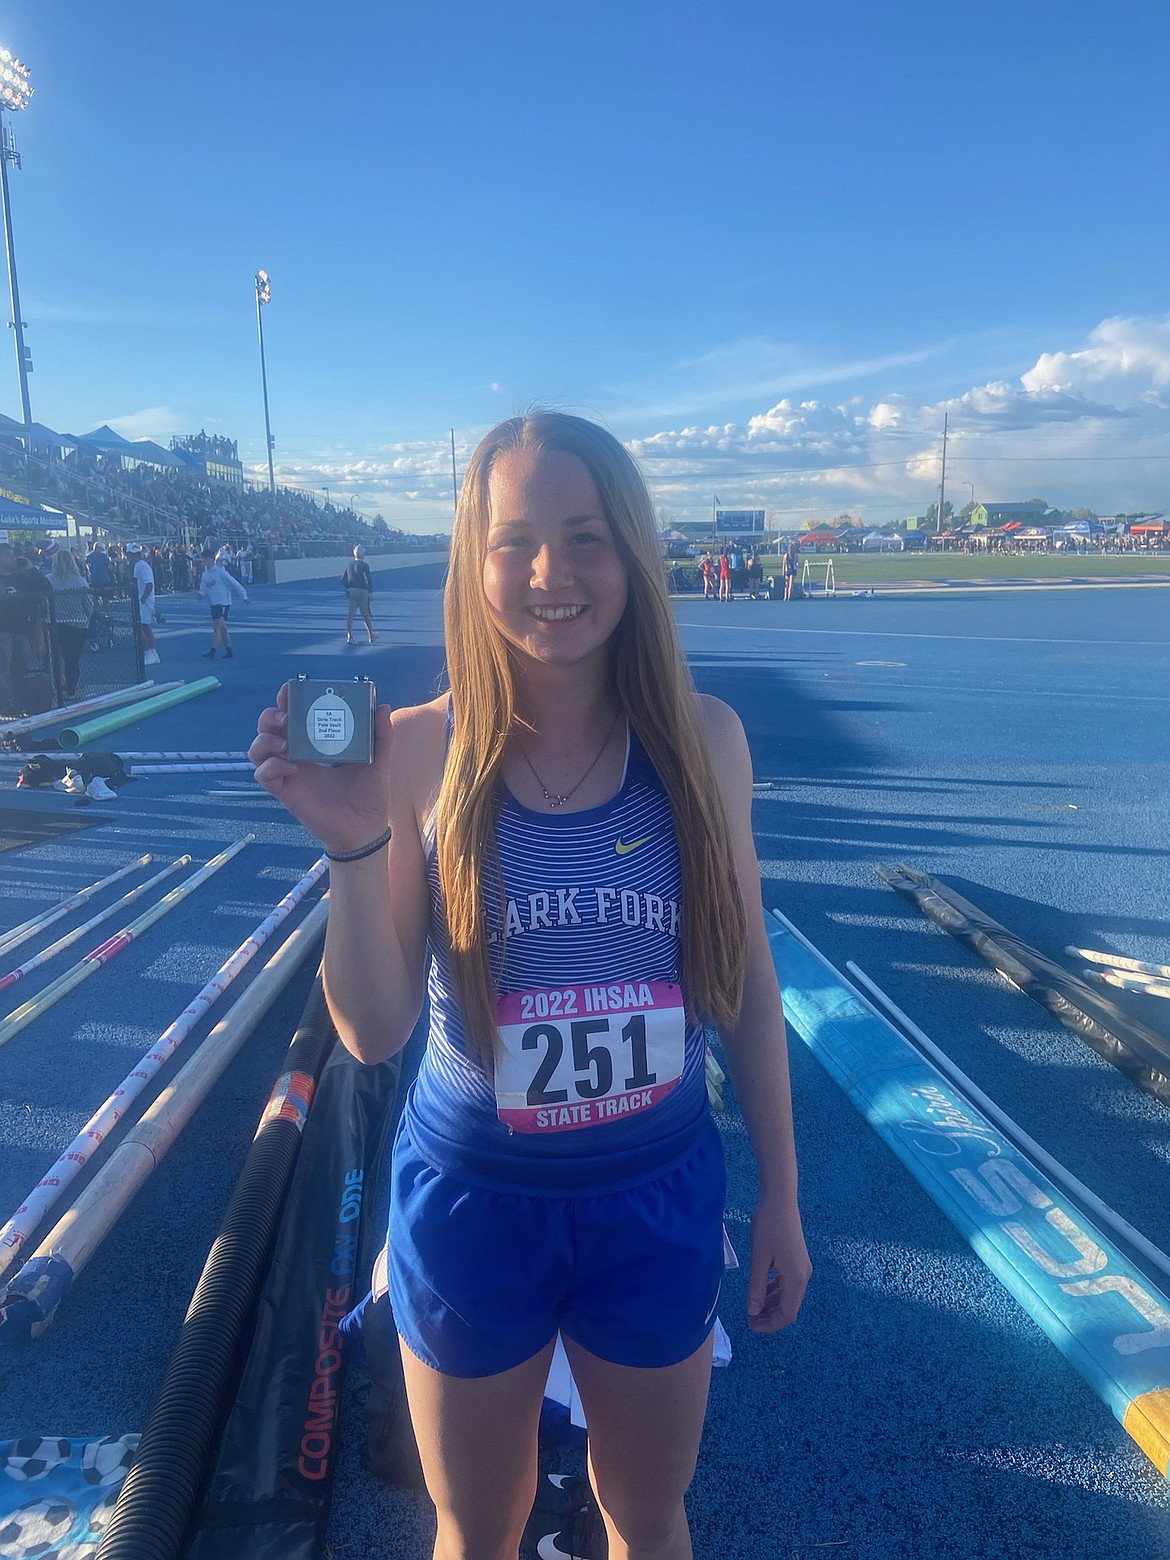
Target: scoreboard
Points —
{"points": [[739, 522]]}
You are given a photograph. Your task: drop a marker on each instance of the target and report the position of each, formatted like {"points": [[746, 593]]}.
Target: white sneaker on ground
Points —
{"points": [[100, 791]]}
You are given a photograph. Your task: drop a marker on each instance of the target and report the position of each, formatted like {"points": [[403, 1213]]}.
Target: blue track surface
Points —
{"points": [[1013, 744]]}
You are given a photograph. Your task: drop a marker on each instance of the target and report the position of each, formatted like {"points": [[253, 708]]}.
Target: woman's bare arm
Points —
{"points": [[757, 1056], [375, 947]]}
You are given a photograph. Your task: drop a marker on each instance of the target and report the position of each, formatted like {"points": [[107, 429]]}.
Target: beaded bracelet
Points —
{"points": [[364, 850]]}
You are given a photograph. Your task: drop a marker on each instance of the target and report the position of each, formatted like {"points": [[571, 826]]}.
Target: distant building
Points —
{"points": [[1029, 512]]}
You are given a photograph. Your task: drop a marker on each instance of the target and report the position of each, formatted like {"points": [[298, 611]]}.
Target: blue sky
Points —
{"points": [[768, 244]]}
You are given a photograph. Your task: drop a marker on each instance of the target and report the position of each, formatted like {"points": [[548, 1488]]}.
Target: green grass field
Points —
{"points": [[859, 569]]}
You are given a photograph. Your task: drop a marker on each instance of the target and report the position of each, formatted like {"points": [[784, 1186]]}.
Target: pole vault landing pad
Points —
{"points": [[1106, 1317]]}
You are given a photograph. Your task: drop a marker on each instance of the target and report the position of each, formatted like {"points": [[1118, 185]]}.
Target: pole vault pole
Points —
{"points": [[38, 923], [30, 1301], [87, 926], [73, 1159], [22, 1016], [141, 771], [1117, 961], [182, 758]]}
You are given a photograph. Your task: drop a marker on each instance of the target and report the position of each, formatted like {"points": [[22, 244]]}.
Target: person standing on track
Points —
{"points": [[789, 571], [216, 587], [359, 591], [73, 610], [557, 833], [724, 576], [143, 576]]}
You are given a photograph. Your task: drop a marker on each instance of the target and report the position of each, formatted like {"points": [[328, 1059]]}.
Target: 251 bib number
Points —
{"points": [[578, 1056]]}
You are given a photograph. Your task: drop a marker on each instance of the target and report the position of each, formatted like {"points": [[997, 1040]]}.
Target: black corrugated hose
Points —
{"points": [[157, 1505]]}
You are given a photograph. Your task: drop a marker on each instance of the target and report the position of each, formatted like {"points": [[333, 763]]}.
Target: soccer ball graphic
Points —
{"points": [[32, 1457], [35, 1529], [108, 1461], [99, 1517]]}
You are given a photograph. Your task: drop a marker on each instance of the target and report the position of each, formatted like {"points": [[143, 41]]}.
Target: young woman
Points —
{"points": [[72, 610], [584, 878], [790, 571]]}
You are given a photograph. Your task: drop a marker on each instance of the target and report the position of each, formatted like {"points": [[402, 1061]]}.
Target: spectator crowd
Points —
{"points": [[56, 605], [185, 505]]}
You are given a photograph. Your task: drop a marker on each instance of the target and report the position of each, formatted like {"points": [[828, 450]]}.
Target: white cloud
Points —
{"points": [[153, 422], [408, 483], [748, 369], [1086, 425], [1124, 360]]}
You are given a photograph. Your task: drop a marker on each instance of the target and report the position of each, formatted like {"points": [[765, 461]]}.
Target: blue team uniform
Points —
{"points": [[582, 1186]]}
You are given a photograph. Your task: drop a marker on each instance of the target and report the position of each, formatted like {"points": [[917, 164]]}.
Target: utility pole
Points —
{"points": [[942, 486], [15, 94]]}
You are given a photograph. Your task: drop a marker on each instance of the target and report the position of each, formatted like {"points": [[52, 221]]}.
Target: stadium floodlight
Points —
{"points": [[263, 296], [15, 94], [15, 91]]}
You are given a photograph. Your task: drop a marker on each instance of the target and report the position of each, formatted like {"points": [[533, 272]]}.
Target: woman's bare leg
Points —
{"points": [[477, 1442], [644, 1431]]}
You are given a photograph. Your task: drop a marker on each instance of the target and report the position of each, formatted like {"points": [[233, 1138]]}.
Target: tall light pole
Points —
{"points": [[15, 93], [942, 486], [971, 485], [263, 296]]}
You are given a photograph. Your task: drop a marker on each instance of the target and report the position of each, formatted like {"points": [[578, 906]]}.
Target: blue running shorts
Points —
{"points": [[481, 1280]]}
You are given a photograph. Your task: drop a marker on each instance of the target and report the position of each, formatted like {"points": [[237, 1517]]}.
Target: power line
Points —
{"points": [[877, 465]]}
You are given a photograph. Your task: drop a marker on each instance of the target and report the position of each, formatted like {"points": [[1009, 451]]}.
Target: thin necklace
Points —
{"points": [[552, 797]]}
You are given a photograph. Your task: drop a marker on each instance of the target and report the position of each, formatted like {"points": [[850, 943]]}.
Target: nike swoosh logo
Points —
{"points": [[622, 849]]}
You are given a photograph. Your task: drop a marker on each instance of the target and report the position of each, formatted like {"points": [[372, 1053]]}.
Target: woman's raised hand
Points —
{"points": [[345, 807]]}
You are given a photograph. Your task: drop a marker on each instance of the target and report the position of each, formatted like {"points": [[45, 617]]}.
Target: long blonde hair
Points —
{"points": [[64, 565], [655, 691]]}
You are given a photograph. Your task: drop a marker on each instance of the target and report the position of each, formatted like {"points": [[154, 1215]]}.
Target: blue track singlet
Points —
{"points": [[599, 1082]]}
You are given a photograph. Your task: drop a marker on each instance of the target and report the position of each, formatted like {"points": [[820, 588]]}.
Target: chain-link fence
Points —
{"points": [[58, 649]]}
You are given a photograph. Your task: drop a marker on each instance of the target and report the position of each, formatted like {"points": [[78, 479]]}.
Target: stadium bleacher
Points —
{"points": [[195, 493]]}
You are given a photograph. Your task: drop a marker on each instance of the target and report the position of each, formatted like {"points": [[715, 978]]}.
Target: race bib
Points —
{"points": [[579, 1056]]}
